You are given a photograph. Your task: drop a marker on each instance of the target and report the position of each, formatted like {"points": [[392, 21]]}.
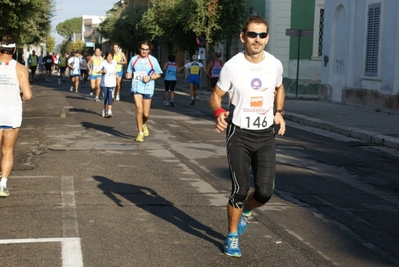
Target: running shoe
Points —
{"points": [[91, 92], [145, 130], [243, 223], [104, 113], [192, 102], [165, 103], [140, 137], [4, 192], [117, 98], [109, 114], [97, 99], [231, 247], [76, 91], [172, 104], [71, 89]]}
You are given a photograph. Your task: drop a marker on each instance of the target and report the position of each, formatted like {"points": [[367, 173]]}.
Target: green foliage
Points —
{"points": [[170, 28], [50, 43], [175, 23], [70, 26], [204, 18], [28, 20], [69, 46], [124, 26], [178, 22], [232, 16]]}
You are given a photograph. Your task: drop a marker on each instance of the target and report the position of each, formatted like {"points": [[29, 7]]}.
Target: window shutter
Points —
{"points": [[373, 40]]}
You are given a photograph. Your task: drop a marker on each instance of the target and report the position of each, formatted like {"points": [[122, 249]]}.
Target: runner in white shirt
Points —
{"points": [[108, 69], [74, 70], [253, 79], [14, 88]]}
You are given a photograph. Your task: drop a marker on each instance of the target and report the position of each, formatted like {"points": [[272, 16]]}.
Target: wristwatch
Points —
{"points": [[281, 111]]}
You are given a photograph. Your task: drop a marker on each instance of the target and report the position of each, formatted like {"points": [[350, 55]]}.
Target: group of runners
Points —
{"points": [[252, 79]]}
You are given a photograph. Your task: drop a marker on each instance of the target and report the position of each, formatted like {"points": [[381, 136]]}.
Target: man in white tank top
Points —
{"points": [[15, 88]]}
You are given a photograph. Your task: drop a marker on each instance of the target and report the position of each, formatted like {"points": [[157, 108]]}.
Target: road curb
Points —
{"points": [[364, 135]]}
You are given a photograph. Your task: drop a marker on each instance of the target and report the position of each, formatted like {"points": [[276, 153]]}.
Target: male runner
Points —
{"points": [[144, 69], [253, 78]]}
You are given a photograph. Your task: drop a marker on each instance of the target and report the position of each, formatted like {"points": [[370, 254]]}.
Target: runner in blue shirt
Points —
{"points": [[143, 69]]}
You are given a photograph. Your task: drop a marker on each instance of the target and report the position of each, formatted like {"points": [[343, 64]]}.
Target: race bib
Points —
{"points": [[110, 74], [139, 75], [253, 121], [194, 69], [254, 117]]}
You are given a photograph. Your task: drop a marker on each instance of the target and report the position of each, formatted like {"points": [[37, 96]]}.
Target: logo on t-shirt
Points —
{"points": [[256, 84], [256, 101]]}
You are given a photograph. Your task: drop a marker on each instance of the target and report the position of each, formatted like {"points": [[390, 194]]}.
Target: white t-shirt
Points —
{"points": [[109, 78], [75, 62], [251, 90]]}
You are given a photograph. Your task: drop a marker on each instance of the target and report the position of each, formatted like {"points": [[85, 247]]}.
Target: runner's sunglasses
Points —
{"points": [[261, 35]]}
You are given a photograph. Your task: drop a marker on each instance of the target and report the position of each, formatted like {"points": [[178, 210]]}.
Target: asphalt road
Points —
{"points": [[83, 193]]}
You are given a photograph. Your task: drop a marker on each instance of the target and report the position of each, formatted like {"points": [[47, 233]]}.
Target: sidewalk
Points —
{"points": [[368, 125]]}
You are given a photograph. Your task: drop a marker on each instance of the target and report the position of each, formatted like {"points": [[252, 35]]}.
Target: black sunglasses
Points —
{"points": [[261, 35]]}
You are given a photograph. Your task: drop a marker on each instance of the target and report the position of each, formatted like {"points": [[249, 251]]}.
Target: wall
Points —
{"points": [[381, 91], [278, 15]]}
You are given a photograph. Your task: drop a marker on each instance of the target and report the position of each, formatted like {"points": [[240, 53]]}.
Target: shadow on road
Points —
{"points": [[106, 129], [149, 200]]}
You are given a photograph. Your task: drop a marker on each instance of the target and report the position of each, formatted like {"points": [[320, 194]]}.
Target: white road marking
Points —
{"points": [[70, 242]]}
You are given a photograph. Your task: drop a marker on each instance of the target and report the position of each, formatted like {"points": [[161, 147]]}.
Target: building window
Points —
{"points": [[318, 30], [373, 39], [321, 27]]}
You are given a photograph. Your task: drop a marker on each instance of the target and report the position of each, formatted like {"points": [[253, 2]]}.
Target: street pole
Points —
{"points": [[299, 33], [297, 64]]}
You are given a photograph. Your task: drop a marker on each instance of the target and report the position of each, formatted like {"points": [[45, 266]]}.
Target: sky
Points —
{"points": [[68, 9]]}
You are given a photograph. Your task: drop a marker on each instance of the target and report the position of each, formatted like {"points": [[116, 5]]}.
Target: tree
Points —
{"points": [[230, 28], [232, 16], [170, 28], [69, 26], [178, 22], [50, 43], [69, 46], [124, 26], [28, 20]]}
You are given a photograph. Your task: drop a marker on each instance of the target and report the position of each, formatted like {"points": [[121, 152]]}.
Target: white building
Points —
{"points": [[90, 26], [360, 53]]}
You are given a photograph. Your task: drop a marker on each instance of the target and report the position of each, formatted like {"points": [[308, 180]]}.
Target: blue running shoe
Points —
{"points": [[231, 247], [243, 223]]}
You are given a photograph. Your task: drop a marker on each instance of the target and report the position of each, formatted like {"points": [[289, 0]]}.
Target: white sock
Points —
{"points": [[3, 182]]}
